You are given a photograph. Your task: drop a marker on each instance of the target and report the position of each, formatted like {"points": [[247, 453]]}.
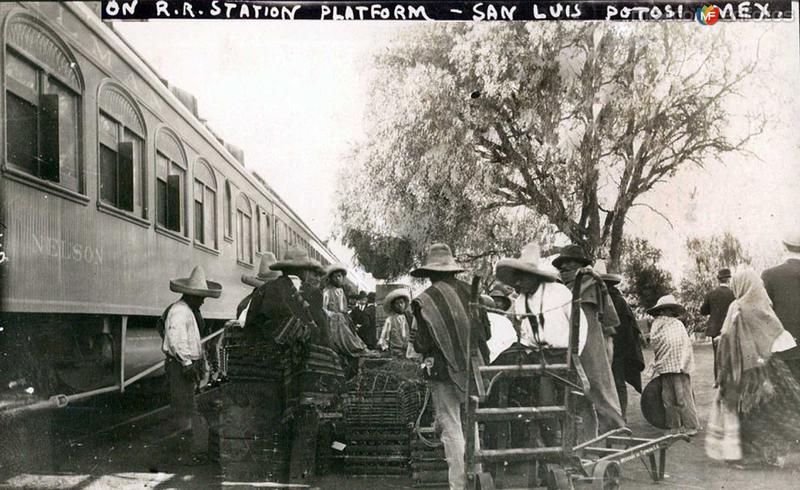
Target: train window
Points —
{"points": [[121, 133], [262, 230], [170, 184], [227, 210], [244, 223], [205, 205], [43, 89]]}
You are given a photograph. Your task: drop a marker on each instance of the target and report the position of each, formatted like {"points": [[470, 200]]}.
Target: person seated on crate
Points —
{"points": [[277, 301], [334, 303], [442, 315], [503, 333], [598, 307], [396, 330], [541, 316], [182, 323]]}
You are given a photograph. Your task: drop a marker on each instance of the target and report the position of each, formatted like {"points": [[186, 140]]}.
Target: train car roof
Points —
{"points": [[154, 80]]}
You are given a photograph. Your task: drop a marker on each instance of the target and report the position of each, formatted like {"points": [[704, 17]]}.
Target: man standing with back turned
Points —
{"points": [[782, 283], [443, 316], [716, 305]]}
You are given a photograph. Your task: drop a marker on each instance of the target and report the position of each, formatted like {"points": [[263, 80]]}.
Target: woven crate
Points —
{"points": [[381, 398]]}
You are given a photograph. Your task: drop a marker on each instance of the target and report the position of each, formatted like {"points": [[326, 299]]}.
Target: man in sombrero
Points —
{"points": [[264, 275], [541, 314], [278, 300], [184, 354], [628, 362], [442, 314], [602, 320]]}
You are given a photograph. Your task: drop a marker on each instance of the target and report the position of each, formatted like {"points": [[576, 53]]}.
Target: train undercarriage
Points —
{"points": [[52, 360]]}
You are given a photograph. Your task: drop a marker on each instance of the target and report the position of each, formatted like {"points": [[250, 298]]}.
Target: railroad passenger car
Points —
{"points": [[111, 185]]}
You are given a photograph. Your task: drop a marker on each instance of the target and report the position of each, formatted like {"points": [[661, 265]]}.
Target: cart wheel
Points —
{"points": [[606, 475], [485, 481], [557, 478]]}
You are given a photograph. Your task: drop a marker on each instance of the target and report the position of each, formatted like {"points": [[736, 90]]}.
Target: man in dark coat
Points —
{"points": [[368, 331], [716, 306], [783, 287], [443, 318], [628, 362]]}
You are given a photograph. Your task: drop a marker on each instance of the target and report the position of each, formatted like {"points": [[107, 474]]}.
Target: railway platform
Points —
{"points": [[143, 455]]}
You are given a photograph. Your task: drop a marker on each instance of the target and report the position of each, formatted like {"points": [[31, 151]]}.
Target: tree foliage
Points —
{"points": [[706, 257], [645, 278], [473, 128]]}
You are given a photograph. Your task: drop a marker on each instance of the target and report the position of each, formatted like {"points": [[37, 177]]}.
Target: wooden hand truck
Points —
{"points": [[597, 460]]}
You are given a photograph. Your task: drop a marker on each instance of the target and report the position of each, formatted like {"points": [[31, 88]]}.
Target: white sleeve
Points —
{"points": [[176, 334]]}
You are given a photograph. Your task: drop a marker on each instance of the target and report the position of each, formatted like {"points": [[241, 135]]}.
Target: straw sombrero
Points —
{"points": [[667, 301], [572, 252], [600, 268], [265, 274], [528, 262], [438, 259], [297, 258], [196, 285], [393, 295], [487, 301], [792, 241], [337, 267]]}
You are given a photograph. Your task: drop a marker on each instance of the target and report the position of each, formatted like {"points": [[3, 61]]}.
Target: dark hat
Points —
{"points": [[724, 273], [572, 252], [196, 285], [438, 259], [371, 297], [653, 404], [265, 274], [362, 295]]}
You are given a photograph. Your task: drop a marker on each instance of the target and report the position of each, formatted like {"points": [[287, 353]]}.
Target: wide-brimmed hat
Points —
{"points": [[438, 259], [337, 267], [393, 295], [196, 285], [297, 258], [792, 240], [667, 301], [653, 404], [528, 262], [572, 252], [600, 267], [724, 273], [265, 274]]}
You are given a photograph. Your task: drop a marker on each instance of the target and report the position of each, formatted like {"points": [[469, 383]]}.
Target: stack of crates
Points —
{"points": [[250, 440], [428, 462]]}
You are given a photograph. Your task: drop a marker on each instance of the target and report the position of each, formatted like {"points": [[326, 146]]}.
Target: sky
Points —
{"points": [[292, 95]]}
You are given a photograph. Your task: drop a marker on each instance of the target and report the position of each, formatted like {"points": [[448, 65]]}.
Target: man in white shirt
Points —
{"points": [[184, 354]]}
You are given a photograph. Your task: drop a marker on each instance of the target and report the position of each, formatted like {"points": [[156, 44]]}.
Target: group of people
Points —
{"points": [[527, 314]]}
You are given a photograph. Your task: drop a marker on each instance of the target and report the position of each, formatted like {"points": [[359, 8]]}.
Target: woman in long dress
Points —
{"points": [[755, 417]]}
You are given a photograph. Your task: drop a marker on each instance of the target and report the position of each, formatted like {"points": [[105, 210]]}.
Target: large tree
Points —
{"points": [[473, 127]]}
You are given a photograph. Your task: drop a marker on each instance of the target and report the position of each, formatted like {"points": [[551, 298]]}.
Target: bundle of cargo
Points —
{"points": [[250, 441], [428, 462], [374, 450], [389, 394]]}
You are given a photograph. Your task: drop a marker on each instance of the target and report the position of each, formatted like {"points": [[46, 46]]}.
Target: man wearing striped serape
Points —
{"points": [[443, 320]]}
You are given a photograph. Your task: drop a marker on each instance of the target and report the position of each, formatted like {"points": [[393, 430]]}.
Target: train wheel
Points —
{"points": [[606, 476]]}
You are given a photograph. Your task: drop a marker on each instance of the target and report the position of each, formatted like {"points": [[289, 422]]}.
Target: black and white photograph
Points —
{"points": [[411, 244]]}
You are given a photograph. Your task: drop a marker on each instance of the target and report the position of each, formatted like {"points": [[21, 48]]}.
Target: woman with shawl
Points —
{"points": [[754, 416]]}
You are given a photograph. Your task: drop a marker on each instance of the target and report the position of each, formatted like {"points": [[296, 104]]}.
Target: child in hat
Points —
{"points": [[674, 362], [397, 327]]}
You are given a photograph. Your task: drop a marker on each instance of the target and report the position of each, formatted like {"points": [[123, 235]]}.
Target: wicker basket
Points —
{"points": [[381, 399]]}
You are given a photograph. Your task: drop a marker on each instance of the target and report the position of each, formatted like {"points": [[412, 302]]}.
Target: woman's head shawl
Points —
{"points": [[750, 328]]}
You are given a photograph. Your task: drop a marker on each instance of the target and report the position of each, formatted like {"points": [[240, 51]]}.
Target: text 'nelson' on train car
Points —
{"points": [[111, 185]]}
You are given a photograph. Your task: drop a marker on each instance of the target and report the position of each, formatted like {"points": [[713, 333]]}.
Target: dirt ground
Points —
{"points": [[145, 457]]}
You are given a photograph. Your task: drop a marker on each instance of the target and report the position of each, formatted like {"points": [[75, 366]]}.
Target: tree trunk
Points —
{"points": [[615, 247]]}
